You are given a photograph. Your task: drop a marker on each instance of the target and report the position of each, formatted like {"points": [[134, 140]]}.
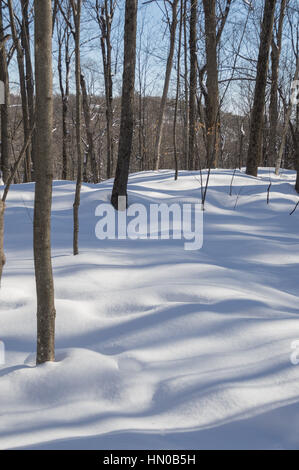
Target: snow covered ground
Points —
{"points": [[157, 347]]}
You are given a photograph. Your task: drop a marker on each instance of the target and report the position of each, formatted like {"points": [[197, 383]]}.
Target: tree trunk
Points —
{"points": [[186, 107], [25, 41], [176, 166], [288, 112], [23, 90], [2, 255], [254, 156], [127, 104], [89, 133], [193, 84], [77, 20], [43, 186], [5, 140], [105, 15], [273, 107], [212, 96], [166, 84]]}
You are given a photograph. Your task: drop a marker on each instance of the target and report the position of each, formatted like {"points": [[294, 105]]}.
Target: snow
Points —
{"points": [[157, 347]]}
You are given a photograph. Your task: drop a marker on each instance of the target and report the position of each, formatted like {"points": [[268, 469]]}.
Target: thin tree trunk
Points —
{"points": [[89, 133], [25, 41], [273, 107], [288, 112], [76, 6], [2, 255], [254, 156], [193, 85], [212, 96], [127, 104], [43, 186], [166, 84], [63, 38], [186, 107], [177, 95], [21, 69], [105, 15], [5, 139]]}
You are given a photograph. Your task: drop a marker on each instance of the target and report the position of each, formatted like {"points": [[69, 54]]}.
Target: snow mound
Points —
{"points": [[157, 347]]}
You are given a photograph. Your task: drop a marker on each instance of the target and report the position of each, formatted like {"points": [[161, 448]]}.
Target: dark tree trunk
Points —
{"points": [[76, 6], [105, 15], [127, 104], [254, 156], [5, 140], [163, 102], [2, 255], [273, 107], [23, 89], [43, 186], [212, 95], [193, 83], [25, 41]]}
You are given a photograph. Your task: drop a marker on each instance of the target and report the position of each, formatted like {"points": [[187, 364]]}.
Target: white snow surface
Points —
{"points": [[157, 347]]}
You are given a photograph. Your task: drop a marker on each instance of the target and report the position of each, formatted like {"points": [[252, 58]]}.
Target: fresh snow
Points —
{"points": [[157, 347]]}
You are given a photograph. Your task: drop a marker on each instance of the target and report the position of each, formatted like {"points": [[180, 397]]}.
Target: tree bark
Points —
{"points": [[5, 138], [2, 255], [89, 133], [163, 102], [127, 104], [212, 96], [192, 86], [25, 42], [43, 186], [23, 90], [288, 112], [76, 6], [273, 107], [105, 15], [254, 156], [176, 165]]}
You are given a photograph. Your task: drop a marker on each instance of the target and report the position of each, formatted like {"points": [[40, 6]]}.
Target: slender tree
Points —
{"points": [[104, 13], [89, 133], [273, 107], [212, 95], [172, 25], [4, 136], [43, 187], [178, 83], [127, 104], [193, 85], [76, 8], [254, 156]]}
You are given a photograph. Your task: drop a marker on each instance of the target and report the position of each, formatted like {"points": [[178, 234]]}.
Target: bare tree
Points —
{"points": [[104, 14], [254, 156], [176, 165], [23, 89], [288, 111], [127, 104], [273, 108], [63, 40], [89, 133], [43, 188], [212, 95], [193, 85], [76, 9], [5, 139], [173, 24]]}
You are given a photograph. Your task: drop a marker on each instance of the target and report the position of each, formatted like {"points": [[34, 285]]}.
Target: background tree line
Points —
{"points": [[194, 86]]}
